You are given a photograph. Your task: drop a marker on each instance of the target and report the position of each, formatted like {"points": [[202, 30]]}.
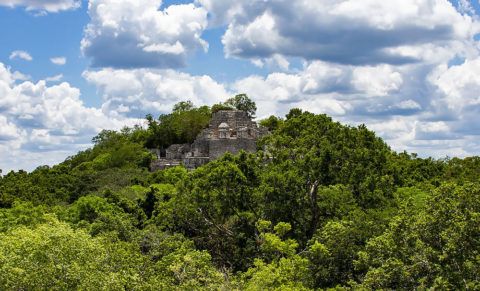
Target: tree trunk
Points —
{"points": [[314, 208]]}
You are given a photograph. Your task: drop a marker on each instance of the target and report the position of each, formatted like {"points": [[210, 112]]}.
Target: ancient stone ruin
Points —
{"points": [[228, 131]]}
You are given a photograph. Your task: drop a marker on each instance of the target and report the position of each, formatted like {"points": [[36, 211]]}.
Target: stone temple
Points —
{"points": [[228, 131]]}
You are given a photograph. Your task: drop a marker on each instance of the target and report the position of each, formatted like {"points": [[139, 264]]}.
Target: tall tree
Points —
{"points": [[243, 102]]}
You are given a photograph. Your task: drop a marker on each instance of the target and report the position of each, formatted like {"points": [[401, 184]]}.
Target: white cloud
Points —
{"points": [[55, 78], [35, 117], [346, 31], [382, 63], [459, 84], [447, 124], [276, 62], [222, 12], [44, 5], [43, 124], [8, 130], [398, 130], [387, 64], [60, 61], [142, 91], [377, 81], [279, 92], [459, 96], [23, 55], [322, 87], [408, 104], [20, 77], [433, 130], [431, 110], [138, 34]]}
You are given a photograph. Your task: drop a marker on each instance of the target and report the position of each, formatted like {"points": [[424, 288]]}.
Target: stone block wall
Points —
{"points": [[234, 118], [177, 151], [221, 146], [200, 148]]}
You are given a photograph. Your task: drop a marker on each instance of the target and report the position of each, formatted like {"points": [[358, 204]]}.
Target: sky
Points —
{"points": [[408, 69]]}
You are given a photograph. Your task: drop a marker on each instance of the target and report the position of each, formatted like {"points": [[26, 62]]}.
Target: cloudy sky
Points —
{"points": [[408, 69]]}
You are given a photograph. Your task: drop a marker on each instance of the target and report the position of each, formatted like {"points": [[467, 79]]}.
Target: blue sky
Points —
{"points": [[68, 68]]}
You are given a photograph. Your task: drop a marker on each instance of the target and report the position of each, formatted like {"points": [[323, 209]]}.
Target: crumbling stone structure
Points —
{"points": [[228, 131]]}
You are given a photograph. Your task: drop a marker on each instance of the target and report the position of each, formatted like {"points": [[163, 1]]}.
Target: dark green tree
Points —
{"points": [[433, 246], [242, 102], [271, 123]]}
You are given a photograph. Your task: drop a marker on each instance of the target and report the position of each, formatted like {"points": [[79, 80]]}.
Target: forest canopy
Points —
{"points": [[320, 205]]}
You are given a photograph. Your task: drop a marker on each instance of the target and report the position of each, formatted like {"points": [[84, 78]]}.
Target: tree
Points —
{"points": [[310, 151], [280, 267], [271, 123], [181, 126], [98, 216], [334, 247], [223, 207], [183, 106], [54, 256], [434, 246], [21, 214], [243, 102], [220, 106]]}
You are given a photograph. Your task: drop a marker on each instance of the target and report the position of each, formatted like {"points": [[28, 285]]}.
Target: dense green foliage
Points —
{"points": [[180, 126], [186, 121], [320, 205]]}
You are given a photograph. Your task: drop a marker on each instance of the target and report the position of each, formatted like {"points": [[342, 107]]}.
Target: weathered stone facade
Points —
{"points": [[228, 131]]}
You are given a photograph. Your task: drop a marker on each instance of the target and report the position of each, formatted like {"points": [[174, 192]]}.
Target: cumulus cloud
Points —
{"points": [[141, 34], [276, 62], [8, 130], [407, 69], [23, 55], [459, 92], [377, 81], [38, 118], [322, 87], [444, 122], [59, 61], [138, 92], [428, 109], [366, 32], [43, 124], [44, 5]]}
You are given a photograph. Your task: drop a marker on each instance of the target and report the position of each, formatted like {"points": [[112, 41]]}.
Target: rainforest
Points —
{"points": [[320, 205]]}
